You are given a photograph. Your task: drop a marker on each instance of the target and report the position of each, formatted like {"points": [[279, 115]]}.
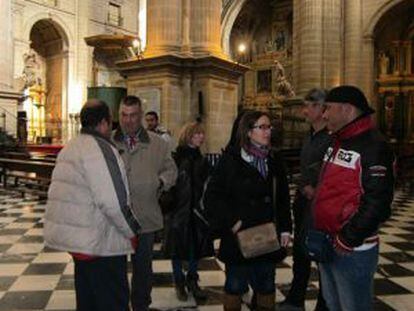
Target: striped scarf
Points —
{"points": [[259, 154]]}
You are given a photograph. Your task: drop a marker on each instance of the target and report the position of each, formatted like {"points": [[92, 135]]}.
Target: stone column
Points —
{"points": [[6, 43], [352, 41], [84, 64], [366, 69], [186, 49], [205, 27], [316, 44], [308, 48], [331, 59], [77, 67], [164, 27], [8, 97], [65, 115], [21, 44]]}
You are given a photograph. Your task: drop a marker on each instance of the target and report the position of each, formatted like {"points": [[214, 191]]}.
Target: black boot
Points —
{"points": [[181, 292], [192, 286]]}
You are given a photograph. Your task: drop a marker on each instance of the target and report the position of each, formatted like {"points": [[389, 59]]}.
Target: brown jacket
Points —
{"points": [[149, 165]]}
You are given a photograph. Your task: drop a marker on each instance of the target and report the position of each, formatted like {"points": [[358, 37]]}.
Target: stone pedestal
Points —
{"points": [[184, 88]]}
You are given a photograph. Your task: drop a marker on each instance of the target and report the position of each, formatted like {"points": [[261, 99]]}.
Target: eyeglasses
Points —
{"points": [[263, 127]]}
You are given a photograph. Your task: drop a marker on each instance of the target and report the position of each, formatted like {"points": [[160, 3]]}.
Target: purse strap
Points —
{"points": [[274, 192]]}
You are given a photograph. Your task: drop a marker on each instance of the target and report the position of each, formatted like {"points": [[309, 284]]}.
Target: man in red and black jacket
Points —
{"points": [[353, 198]]}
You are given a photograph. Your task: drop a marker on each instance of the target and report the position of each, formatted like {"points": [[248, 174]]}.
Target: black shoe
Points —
{"points": [[181, 292], [192, 286]]}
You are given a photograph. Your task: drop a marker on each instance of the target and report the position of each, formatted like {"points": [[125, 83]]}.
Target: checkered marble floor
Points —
{"points": [[33, 277]]}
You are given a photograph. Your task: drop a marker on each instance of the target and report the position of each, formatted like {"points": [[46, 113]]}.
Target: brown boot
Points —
{"points": [[266, 302], [231, 302]]}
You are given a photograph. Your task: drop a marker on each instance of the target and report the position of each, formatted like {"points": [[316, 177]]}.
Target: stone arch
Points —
{"points": [[382, 10], [58, 22], [230, 15], [59, 117]]}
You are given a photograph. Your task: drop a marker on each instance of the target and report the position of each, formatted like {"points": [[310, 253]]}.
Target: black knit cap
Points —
{"points": [[351, 95]]}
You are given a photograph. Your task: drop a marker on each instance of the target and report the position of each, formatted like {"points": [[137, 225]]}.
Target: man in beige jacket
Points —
{"points": [[150, 170]]}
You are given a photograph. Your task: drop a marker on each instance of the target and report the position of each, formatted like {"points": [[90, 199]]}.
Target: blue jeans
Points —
{"points": [[141, 284], [347, 281], [178, 273], [260, 275]]}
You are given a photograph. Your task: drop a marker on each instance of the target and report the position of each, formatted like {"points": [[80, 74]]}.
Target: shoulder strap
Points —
{"points": [[274, 194]]}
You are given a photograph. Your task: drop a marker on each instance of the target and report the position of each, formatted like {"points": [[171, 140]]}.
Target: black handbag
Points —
{"points": [[168, 201], [319, 246]]}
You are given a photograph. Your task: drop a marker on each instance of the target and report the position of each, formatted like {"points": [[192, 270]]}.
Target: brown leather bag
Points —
{"points": [[258, 240]]}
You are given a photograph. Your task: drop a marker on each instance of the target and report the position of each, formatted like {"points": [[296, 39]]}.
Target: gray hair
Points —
{"points": [[316, 95]]}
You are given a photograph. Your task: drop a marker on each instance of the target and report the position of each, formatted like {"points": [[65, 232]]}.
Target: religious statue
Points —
{"points": [[280, 40], [31, 71], [383, 62], [268, 46], [281, 86]]}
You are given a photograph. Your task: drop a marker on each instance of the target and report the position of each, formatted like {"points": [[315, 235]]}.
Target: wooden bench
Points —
{"points": [[35, 156], [29, 176]]}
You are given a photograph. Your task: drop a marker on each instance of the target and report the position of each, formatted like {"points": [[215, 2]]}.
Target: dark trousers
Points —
{"points": [[142, 273], [178, 271], [301, 261], [260, 275], [102, 284]]}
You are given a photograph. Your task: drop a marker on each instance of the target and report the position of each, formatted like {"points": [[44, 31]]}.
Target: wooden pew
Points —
{"points": [[34, 156], [32, 176]]}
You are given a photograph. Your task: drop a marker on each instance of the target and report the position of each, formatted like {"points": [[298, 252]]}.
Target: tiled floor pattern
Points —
{"points": [[33, 277]]}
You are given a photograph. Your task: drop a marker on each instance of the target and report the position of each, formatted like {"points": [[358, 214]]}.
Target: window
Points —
{"points": [[114, 14]]}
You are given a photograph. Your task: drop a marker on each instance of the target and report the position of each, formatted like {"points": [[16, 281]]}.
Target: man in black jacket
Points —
{"points": [[353, 198], [311, 157]]}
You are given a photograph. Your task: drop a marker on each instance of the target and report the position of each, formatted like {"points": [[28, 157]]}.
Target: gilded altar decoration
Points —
{"points": [[35, 92]]}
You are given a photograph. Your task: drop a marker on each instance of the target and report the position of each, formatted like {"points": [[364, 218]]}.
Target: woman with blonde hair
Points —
{"points": [[185, 238]]}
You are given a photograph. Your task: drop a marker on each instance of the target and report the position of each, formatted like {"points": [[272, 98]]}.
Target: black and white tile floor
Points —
{"points": [[33, 277]]}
